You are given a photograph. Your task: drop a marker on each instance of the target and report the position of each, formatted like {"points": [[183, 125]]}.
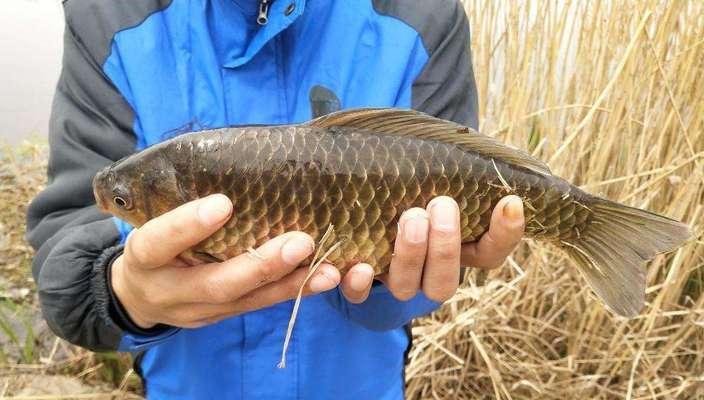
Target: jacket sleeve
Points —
{"points": [[90, 127], [446, 89]]}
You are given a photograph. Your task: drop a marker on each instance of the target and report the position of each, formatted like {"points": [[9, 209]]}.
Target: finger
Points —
{"points": [[227, 281], [325, 278], [442, 265], [184, 227], [406, 267], [357, 282], [504, 234]]}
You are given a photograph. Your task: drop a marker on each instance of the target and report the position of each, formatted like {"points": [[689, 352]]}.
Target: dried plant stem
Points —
{"points": [[314, 265]]}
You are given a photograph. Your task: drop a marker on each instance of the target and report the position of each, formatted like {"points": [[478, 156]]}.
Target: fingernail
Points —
{"points": [[324, 279], [416, 229], [513, 209], [214, 209], [296, 250], [444, 214], [361, 279]]}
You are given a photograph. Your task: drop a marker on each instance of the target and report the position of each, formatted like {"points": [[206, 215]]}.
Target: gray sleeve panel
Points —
{"points": [[445, 87], [73, 287], [97, 21], [90, 127], [91, 123]]}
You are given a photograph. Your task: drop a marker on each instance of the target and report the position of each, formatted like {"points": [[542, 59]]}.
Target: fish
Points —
{"points": [[358, 170]]}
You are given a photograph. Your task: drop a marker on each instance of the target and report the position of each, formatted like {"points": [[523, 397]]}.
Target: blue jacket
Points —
{"points": [[137, 72]]}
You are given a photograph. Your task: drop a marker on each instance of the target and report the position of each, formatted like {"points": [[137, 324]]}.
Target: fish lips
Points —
{"points": [[100, 186]]}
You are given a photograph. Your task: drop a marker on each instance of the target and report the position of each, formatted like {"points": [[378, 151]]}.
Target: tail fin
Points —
{"points": [[612, 251]]}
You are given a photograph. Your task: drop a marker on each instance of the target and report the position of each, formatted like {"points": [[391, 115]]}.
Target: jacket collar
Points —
{"points": [[249, 8], [281, 14]]}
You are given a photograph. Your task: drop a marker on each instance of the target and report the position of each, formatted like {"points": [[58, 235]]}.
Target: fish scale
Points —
{"points": [[360, 183], [359, 170]]}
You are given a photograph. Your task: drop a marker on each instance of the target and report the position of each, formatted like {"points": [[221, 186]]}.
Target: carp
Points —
{"points": [[359, 169]]}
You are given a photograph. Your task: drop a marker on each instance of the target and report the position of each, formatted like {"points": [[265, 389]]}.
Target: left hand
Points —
{"points": [[428, 253]]}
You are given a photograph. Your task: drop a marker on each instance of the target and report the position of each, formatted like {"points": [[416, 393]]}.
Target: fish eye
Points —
{"points": [[121, 202]]}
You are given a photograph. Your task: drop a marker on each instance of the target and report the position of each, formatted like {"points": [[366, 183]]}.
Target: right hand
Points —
{"points": [[155, 286]]}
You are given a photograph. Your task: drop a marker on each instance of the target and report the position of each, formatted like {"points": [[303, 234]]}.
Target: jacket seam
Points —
{"points": [[418, 34]]}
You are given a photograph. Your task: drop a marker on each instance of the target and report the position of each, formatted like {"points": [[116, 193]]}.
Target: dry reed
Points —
{"points": [[612, 95]]}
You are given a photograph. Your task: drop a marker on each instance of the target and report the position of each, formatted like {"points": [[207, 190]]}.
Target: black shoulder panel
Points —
{"points": [[96, 22], [446, 87], [430, 18]]}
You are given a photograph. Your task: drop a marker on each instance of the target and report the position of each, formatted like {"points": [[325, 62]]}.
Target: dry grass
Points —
{"points": [[612, 95], [22, 173], [28, 350]]}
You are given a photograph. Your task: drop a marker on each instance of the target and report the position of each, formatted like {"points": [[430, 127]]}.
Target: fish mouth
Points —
{"points": [[99, 202], [98, 182]]}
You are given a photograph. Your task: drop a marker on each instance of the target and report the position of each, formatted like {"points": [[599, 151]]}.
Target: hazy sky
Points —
{"points": [[30, 55]]}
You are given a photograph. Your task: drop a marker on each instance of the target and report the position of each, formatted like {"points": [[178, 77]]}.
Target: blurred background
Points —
{"points": [[30, 41], [609, 93]]}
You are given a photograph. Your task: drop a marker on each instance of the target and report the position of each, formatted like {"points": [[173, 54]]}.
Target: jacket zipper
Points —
{"points": [[263, 16]]}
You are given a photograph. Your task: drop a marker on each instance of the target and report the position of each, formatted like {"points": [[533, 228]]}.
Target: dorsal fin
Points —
{"points": [[402, 122]]}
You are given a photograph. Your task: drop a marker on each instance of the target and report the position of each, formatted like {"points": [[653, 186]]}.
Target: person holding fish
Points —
{"points": [[136, 73]]}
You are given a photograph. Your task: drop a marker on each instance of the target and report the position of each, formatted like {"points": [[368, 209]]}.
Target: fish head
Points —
{"points": [[137, 188]]}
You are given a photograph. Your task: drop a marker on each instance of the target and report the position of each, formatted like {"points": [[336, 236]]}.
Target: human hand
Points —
{"points": [[155, 285], [428, 252]]}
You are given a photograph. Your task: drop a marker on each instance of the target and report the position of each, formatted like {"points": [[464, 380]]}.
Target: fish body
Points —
{"points": [[359, 170]]}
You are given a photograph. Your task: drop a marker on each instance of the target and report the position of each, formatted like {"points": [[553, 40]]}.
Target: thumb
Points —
{"points": [[184, 227]]}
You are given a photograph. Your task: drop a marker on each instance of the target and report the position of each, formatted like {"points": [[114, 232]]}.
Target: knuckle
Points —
{"points": [[410, 260], [489, 240], [139, 249], [265, 271], [132, 251], [500, 247], [446, 253], [173, 226]]}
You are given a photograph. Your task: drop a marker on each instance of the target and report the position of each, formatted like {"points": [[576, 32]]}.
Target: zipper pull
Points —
{"points": [[263, 16]]}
